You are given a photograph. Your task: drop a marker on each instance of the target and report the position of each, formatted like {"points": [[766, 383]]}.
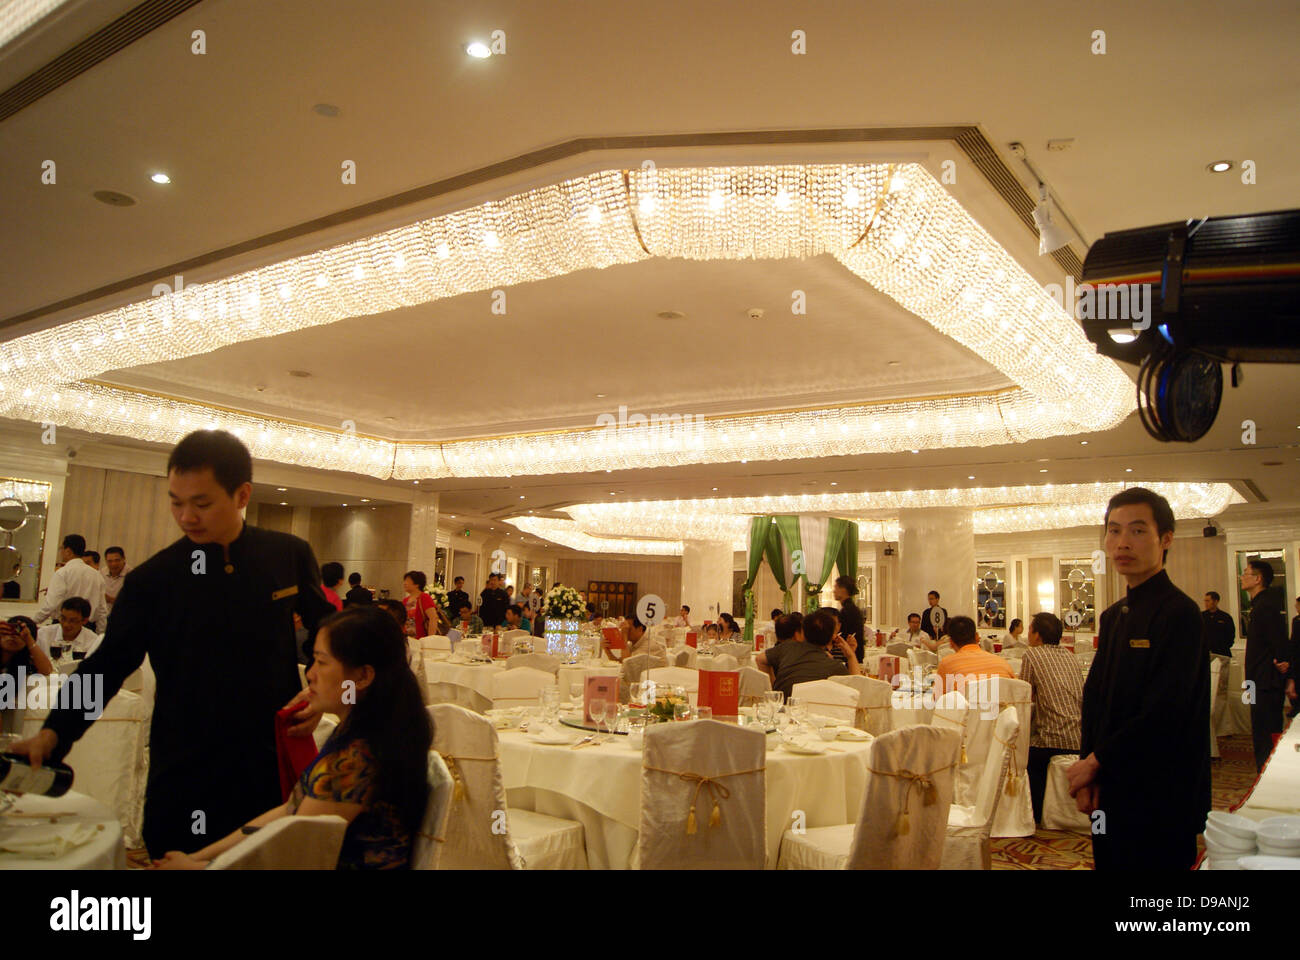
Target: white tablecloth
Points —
{"points": [[102, 851], [1278, 789], [1236, 714], [601, 787], [475, 676]]}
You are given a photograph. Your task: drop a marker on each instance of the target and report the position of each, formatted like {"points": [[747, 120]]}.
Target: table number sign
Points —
{"points": [[598, 688]]}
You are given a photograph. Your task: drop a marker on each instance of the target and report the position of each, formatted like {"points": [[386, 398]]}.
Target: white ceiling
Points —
{"points": [[1181, 84]]}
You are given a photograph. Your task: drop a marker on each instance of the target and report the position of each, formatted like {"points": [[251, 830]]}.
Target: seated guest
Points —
{"points": [[777, 614], [968, 663], [70, 632], [515, 619], [357, 595], [637, 642], [712, 633], [373, 770], [807, 656], [331, 575], [683, 617], [19, 651], [466, 621], [834, 613], [1015, 635], [92, 559], [914, 637], [789, 627], [731, 632], [1053, 673], [592, 615]]}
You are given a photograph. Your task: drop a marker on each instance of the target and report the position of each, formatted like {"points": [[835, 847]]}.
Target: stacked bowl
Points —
{"points": [[1228, 838]]}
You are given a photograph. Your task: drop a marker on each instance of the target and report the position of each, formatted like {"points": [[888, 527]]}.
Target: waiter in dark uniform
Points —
{"points": [[1268, 655], [214, 612], [1218, 626], [934, 621], [852, 627], [1145, 772]]}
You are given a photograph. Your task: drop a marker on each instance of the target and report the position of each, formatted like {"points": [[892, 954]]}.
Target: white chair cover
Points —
{"points": [[482, 833], [875, 707], [435, 642], [898, 649], [1015, 816], [904, 815], [538, 661], [111, 759], [520, 687], [967, 844], [741, 651], [753, 684], [703, 797], [144, 682], [290, 843], [1059, 809], [974, 720], [828, 699], [723, 661], [1218, 664], [676, 677], [429, 842], [920, 659], [634, 667], [686, 657], [516, 632], [444, 691]]}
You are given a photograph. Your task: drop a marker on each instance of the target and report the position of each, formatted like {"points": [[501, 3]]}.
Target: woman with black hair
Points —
{"points": [[373, 770]]}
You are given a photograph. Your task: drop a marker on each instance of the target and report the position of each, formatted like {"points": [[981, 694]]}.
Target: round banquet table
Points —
{"points": [[600, 786], [101, 850], [474, 676]]}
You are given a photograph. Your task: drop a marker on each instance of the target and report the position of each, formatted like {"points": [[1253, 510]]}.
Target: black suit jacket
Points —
{"points": [[1266, 640]]}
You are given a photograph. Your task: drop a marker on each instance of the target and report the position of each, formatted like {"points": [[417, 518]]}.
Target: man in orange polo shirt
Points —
{"points": [[969, 663]]}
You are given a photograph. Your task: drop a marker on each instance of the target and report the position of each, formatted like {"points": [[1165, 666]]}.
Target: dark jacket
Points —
{"points": [[928, 627], [852, 627], [493, 606], [1146, 712], [1267, 640], [1219, 631], [220, 639], [455, 600]]}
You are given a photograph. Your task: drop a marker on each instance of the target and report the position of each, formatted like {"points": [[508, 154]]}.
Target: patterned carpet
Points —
{"points": [[1231, 776]]}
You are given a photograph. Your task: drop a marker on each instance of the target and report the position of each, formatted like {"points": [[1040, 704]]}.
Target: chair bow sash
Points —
{"points": [[923, 781], [717, 791], [458, 791]]}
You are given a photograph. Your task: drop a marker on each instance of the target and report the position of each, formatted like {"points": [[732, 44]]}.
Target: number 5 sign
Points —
{"points": [[650, 610]]}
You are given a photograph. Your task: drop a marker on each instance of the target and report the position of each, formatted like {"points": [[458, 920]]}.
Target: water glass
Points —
{"points": [[597, 711], [575, 691], [682, 711], [775, 698], [636, 731], [703, 713]]}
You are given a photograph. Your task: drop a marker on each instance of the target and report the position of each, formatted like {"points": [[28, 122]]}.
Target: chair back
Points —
{"points": [[828, 699], [920, 659], [1015, 816], [992, 779], [635, 667], [111, 759], [289, 843], [703, 797], [477, 829], [898, 649], [676, 677], [436, 642], [723, 661], [741, 651], [519, 687], [432, 836], [753, 684], [685, 657], [875, 705], [904, 816], [538, 661]]}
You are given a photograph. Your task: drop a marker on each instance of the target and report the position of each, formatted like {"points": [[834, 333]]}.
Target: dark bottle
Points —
{"points": [[17, 776]]}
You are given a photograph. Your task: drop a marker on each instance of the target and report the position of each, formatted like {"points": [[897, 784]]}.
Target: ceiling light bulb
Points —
{"points": [[1221, 166], [716, 200], [161, 178], [852, 198], [478, 50]]}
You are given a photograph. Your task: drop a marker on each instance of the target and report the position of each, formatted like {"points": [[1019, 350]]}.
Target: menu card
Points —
{"points": [[598, 688], [720, 689], [614, 637], [890, 667], [692, 638]]}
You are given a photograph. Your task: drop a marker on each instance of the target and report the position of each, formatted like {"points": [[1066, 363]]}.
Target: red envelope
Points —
{"points": [[691, 639], [294, 754], [720, 690]]}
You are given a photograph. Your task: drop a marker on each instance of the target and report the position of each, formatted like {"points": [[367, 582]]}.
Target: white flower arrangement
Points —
{"points": [[565, 603], [439, 594]]}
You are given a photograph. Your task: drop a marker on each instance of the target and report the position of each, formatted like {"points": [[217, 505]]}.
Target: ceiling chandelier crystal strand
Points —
{"points": [[892, 225]]}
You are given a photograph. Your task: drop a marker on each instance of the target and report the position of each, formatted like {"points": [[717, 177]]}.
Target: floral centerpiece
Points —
{"points": [[662, 708], [564, 603], [439, 594]]}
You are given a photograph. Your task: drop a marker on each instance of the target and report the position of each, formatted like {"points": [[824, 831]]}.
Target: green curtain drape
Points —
{"points": [[760, 530], [776, 540]]}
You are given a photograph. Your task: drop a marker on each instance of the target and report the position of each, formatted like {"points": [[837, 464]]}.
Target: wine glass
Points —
{"points": [[575, 691], [797, 708], [597, 711], [550, 703], [682, 710]]}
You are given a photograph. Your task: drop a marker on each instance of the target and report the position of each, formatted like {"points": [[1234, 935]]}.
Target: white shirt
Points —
{"points": [[113, 585], [76, 578], [681, 622], [84, 642]]}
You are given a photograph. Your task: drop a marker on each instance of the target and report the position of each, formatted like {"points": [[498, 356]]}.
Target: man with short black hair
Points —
{"points": [[1268, 653], [1053, 674], [515, 619], [968, 662], [808, 656], [92, 559], [214, 612], [637, 642], [493, 602], [934, 622], [1145, 753], [75, 578], [115, 575], [331, 575], [1218, 626], [915, 636], [466, 620], [70, 633], [458, 595], [359, 596]]}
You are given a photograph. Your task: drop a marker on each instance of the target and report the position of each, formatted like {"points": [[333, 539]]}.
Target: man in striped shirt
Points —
{"points": [[1054, 674]]}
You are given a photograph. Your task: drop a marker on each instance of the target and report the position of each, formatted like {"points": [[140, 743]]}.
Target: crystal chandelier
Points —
{"points": [[994, 509], [892, 225]]}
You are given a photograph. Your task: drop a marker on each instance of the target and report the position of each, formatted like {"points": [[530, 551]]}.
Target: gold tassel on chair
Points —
{"points": [[1011, 785], [690, 821], [963, 753], [904, 824], [715, 817], [931, 794]]}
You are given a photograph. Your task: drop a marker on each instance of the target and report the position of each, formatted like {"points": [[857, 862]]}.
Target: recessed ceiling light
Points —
{"points": [[415, 481], [160, 178], [281, 489], [600, 396], [1128, 469], [113, 198], [284, 503], [391, 419], [916, 451], [1083, 443], [1044, 470], [1219, 166], [365, 500], [478, 50], [451, 516], [1122, 336], [971, 477], [893, 363], [611, 493], [834, 484], [300, 374], [326, 109], [670, 315]]}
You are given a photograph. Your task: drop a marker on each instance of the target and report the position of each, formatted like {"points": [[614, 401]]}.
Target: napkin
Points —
{"points": [[47, 841], [294, 754]]}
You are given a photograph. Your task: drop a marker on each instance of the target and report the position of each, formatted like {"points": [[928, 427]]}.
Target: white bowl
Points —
{"points": [[1227, 863], [1270, 863], [1233, 823], [1221, 840], [1268, 850], [1280, 832]]}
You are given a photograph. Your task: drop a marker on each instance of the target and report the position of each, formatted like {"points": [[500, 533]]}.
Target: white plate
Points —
{"points": [[1233, 823], [806, 748], [551, 737], [1280, 832], [1222, 840], [1270, 863], [852, 733]]}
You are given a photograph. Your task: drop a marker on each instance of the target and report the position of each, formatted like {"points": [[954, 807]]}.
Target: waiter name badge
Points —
{"points": [[286, 592], [1139, 644]]}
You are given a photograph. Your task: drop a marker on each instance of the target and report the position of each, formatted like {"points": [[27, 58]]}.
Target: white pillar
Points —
{"points": [[936, 552], [706, 579], [422, 547]]}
